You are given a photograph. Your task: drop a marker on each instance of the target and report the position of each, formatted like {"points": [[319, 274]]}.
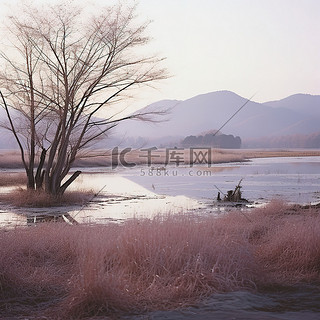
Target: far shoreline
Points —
{"points": [[11, 159]]}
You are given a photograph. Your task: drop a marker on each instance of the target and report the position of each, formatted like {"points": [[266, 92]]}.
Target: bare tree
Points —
{"points": [[65, 68]]}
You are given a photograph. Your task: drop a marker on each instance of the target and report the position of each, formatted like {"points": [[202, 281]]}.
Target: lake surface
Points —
{"points": [[144, 191], [295, 180]]}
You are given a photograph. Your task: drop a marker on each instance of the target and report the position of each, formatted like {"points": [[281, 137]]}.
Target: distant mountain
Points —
{"points": [[305, 104], [210, 111], [290, 141], [297, 114], [7, 140]]}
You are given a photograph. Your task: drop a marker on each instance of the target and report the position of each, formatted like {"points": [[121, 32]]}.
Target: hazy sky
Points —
{"points": [[271, 47], [267, 47]]}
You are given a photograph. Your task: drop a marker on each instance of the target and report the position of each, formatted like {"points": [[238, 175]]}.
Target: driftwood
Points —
{"points": [[232, 195], [42, 218]]}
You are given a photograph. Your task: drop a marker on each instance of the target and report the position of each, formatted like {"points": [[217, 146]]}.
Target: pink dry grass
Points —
{"points": [[81, 271], [292, 252], [8, 179], [10, 159], [286, 241], [39, 198], [34, 266]]}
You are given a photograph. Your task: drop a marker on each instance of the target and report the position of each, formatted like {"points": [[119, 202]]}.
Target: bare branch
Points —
{"points": [[67, 71]]}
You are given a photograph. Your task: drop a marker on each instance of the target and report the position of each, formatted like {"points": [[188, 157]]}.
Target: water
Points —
{"points": [[118, 199], [139, 192], [295, 180]]}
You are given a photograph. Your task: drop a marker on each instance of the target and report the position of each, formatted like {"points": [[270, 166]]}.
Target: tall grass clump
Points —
{"points": [[159, 263], [292, 252], [21, 197], [34, 267], [286, 241], [74, 272]]}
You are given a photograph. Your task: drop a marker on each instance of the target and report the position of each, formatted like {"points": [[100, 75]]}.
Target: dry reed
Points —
{"points": [[21, 197], [102, 158], [8, 179], [79, 271]]}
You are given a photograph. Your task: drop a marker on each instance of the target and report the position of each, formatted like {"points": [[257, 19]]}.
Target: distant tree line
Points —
{"points": [[227, 141], [289, 141]]}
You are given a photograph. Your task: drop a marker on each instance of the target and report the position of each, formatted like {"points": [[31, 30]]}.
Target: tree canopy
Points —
{"points": [[214, 140], [65, 66]]}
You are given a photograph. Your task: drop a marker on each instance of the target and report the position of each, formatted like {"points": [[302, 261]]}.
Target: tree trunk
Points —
{"points": [[74, 176], [30, 183], [40, 173], [53, 185]]}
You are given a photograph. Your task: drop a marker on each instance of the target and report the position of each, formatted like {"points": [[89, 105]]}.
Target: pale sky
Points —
{"points": [[270, 48]]}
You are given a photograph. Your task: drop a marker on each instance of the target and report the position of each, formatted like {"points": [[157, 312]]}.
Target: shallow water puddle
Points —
{"points": [[117, 199], [120, 199]]}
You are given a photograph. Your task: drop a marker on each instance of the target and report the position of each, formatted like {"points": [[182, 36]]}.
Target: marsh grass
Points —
{"points": [[9, 179], [10, 159], [22, 197], [102, 158], [73, 272]]}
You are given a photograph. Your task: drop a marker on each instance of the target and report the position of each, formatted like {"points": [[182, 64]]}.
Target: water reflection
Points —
{"points": [[121, 199], [144, 192], [295, 180], [117, 199]]}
